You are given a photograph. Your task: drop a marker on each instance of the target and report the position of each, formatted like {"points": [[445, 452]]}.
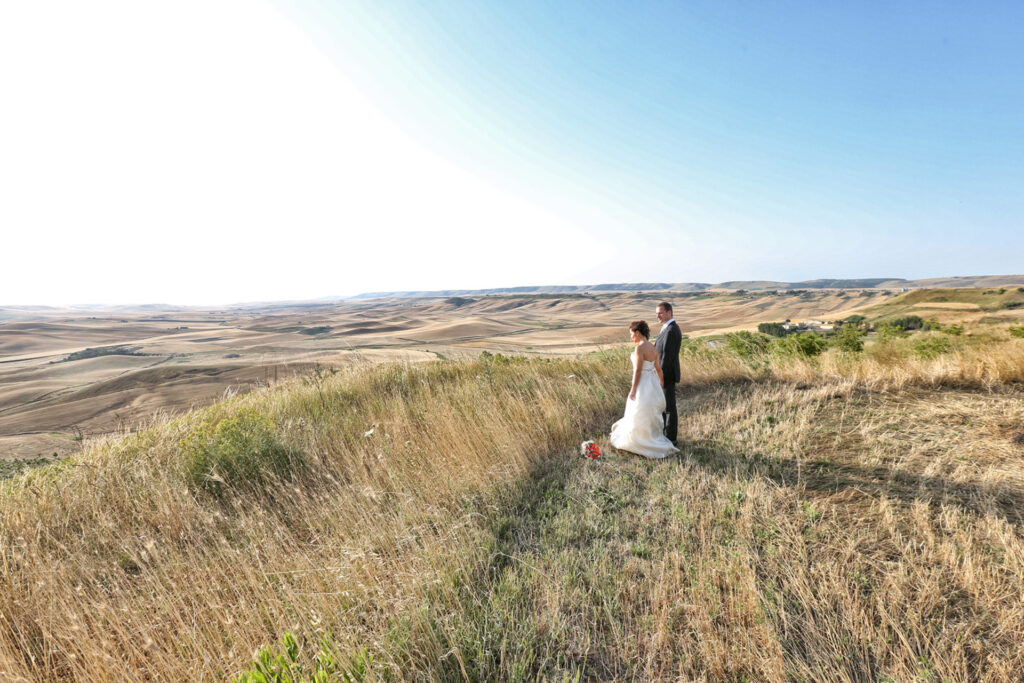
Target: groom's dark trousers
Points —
{"points": [[668, 343]]}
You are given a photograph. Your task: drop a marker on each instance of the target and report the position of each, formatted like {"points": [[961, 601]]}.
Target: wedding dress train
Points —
{"points": [[640, 430]]}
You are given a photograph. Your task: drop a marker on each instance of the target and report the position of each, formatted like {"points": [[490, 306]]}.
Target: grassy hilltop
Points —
{"points": [[835, 515]]}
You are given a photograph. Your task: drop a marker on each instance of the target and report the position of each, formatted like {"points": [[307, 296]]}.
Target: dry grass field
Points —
{"points": [[191, 358], [845, 516]]}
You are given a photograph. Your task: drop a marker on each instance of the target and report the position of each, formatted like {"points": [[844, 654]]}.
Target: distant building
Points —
{"points": [[817, 325]]}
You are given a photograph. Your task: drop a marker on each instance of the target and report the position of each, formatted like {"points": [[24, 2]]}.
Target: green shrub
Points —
{"points": [[747, 344], [855, 319], [502, 359], [1017, 330], [238, 451], [907, 322], [694, 347], [930, 347], [955, 330], [10, 468], [849, 338], [931, 324], [887, 332], [803, 344]]}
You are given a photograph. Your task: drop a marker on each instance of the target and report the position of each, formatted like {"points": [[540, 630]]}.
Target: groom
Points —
{"points": [[669, 340]]}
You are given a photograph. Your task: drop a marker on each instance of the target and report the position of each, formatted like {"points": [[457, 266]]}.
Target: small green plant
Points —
{"points": [[849, 338], [1017, 330], [812, 513], [285, 667], [930, 347], [240, 450], [931, 324], [496, 358], [955, 330], [887, 332], [804, 344]]}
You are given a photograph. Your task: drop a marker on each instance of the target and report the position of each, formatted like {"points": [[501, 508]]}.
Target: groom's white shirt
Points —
{"points": [[666, 324]]}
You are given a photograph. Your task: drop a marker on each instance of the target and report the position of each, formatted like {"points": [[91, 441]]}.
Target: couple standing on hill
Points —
{"points": [[649, 426]]}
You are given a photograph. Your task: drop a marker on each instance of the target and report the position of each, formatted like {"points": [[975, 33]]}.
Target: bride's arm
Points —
{"points": [[657, 367], [636, 376]]}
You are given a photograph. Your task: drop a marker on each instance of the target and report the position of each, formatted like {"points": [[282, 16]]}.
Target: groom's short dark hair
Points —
{"points": [[666, 305]]}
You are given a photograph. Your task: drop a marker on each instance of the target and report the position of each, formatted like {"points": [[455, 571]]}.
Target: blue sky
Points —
{"points": [[212, 151], [787, 140]]}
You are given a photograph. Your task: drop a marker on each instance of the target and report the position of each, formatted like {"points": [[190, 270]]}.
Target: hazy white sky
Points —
{"points": [[221, 151], [208, 152]]}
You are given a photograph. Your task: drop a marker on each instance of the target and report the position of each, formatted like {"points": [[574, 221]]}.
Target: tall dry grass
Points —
{"points": [[114, 568], [437, 517]]}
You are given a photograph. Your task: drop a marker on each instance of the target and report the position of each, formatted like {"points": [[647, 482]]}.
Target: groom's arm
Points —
{"points": [[675, 341], [672, 345]]}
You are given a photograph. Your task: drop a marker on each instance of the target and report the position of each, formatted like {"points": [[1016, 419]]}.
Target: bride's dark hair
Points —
{"points": [[641, 327]]}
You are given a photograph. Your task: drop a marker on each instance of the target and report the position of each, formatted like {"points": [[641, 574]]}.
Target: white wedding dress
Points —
{"points": [[640, 429]]}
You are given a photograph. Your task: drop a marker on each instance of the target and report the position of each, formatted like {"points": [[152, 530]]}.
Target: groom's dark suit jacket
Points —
{"points": [[667, 345]]}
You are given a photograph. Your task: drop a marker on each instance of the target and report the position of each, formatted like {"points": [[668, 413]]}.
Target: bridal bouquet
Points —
{"points": [[590, 449]]}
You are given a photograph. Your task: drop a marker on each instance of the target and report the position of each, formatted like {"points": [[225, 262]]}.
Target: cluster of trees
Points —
{"points": [[847, 334], [900, 327], [773, 329], [103, 351]]}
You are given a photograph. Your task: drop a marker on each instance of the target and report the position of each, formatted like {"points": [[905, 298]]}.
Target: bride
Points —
{"points": [[640, 429]]}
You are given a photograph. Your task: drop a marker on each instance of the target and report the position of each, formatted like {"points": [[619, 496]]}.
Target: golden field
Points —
{"points": [[193, 357], [847, 516]]}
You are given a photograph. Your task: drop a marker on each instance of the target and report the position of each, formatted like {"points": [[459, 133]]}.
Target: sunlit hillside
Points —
{"points": [[69, 374], [835, 515]]}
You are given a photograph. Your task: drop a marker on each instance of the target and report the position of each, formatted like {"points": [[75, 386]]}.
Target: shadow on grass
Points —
{"points": [[826, 474], [486, 617], [827, 477]]}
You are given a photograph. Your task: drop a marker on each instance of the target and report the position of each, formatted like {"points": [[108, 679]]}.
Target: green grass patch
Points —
{"points": [[320, 329], [239, 451], [11, 468], [930, 347]]}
